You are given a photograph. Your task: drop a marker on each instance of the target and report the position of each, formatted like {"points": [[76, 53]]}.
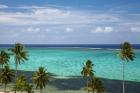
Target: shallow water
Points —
{"points": [[69, 62]]}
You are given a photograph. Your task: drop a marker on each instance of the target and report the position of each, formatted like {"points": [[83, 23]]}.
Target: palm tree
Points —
{"points": [[20, 83], [4, 58], [40, 78], [6, 76], [20, 55], [126, 54], [23, 85], [96, 85], [29, 88], [87, 71]]}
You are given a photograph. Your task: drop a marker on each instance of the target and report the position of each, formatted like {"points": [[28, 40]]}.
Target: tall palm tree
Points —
{"points": [[87, 71], [40, 78], [4, 58], [20, 55], [126, 54], [6, 76]]}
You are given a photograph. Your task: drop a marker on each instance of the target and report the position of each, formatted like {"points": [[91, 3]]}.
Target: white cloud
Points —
{"points": [[98, 29], [102, 30], [31, 7], [31, 29], [135, 29], [108, 29], [69, 29], [3, 6], [47, 15]]}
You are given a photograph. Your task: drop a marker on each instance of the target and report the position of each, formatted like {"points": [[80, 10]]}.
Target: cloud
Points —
{"points": [[135, 29], [31, 7], [69, 29], [108, 29], [3, 6], [49, 15], [31, 29], [102, 30]]}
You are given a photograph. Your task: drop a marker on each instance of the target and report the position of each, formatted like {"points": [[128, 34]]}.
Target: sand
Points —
{"points": [[77, 85]]}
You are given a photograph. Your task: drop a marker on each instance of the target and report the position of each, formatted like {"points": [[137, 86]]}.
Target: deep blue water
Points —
{"points": [[104, 46]]}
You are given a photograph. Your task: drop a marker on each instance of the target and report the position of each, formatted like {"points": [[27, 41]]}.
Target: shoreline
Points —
{"points": [[76, 84]]}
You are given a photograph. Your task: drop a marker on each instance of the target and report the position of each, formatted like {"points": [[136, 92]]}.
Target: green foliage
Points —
{"points": [[93, 83], [4, 58], [87, 69], [29, 88], [40, 78], [96, 85], [6, 76], [127, 52], [19, 53], [22, 85]]}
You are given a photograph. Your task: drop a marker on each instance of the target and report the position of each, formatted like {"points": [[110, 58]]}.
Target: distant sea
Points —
{"points": [[104, 46]]}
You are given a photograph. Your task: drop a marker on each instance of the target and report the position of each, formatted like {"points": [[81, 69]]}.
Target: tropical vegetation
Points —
{"points": [[93, 83], [4, 58], [40, 78], [126, 54], [22, 85], [20, 55], [6, 76], [87, 71]]}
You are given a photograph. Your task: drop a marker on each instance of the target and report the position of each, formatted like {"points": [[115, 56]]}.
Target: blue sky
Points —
{"points": [[69, 21]]}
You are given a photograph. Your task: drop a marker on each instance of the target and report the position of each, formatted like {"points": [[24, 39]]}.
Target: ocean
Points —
{"points": [[68, 60], [104, 46]]}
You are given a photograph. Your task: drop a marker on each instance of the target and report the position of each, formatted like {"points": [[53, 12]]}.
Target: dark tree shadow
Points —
{"points": [[77, 83]]}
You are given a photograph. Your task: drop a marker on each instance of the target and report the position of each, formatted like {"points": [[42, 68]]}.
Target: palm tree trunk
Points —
{"points": [[16, 75], [87, 82], [5, 88], [123, 77], [16, 72], [40, 90]]}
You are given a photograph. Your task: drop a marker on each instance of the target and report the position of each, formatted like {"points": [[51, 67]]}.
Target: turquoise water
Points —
{"points": [[69, 62]]}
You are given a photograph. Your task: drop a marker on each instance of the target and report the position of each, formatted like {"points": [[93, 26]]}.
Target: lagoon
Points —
{"points": [[64, 62]]}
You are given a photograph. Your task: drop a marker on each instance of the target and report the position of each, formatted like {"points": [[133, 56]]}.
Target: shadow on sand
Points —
{"points": [[77, 83]]}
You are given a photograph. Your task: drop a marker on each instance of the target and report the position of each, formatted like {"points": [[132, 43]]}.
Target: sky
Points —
{"points": [[69, 21]]}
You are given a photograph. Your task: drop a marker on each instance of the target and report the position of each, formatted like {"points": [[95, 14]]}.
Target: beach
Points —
{"points": [[70, 46], [64, 66], [77, 84]]}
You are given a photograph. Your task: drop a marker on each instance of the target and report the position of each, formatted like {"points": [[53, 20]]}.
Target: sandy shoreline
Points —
{"points": [[77, 84]]}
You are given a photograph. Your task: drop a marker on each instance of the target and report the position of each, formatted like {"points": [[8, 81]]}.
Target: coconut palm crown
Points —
{"points": [[6, 76], [20, 54], [4, 58], [127, 52], [40, 78], [87, 69], [96, 85]]}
